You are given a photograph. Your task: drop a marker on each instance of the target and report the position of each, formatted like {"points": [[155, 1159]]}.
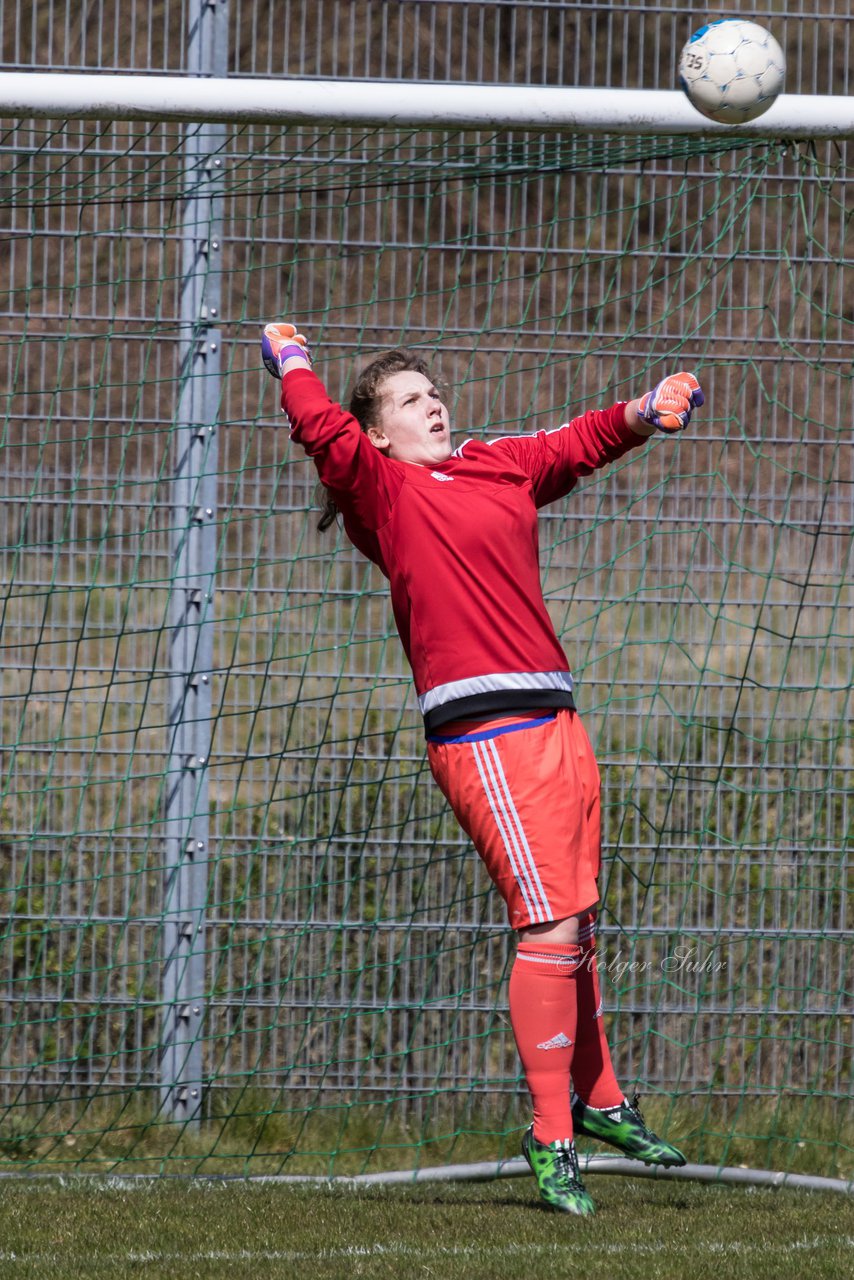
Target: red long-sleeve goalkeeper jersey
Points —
{"points": [[459, 546]]}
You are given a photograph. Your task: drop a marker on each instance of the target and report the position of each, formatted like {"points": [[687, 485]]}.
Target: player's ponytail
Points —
{"points": [[365, 400], [328, 508]]}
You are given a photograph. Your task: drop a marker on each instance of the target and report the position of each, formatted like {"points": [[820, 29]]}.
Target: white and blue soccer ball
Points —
{"points": [[732, 70]]}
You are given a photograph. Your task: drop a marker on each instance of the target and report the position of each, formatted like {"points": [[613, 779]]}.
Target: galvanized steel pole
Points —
{"points": [[186, 819]]}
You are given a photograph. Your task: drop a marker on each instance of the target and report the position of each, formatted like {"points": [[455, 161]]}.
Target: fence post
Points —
{"points": [[193, 503]]}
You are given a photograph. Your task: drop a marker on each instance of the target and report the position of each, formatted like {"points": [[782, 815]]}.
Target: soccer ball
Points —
{"points": [[732, 70]]}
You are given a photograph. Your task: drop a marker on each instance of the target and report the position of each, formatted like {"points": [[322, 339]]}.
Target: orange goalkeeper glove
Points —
{"points": [[278, 343], [670, 404]]}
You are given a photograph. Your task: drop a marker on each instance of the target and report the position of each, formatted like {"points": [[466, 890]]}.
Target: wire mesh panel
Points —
{"points": [[570, 42], [354, 951]]}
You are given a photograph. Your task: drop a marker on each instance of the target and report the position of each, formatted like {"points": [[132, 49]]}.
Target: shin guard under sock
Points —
{"points": [[543, 1015], [592, 1071]]}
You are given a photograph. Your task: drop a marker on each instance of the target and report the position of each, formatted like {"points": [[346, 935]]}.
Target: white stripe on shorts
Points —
{"points": [[512, 832]]}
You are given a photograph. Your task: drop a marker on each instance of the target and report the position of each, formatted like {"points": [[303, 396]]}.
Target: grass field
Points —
{"points": [[168, 1229]]}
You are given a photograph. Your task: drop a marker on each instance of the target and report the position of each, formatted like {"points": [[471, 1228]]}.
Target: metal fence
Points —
{"points": [[333, 870], [568, 42]]}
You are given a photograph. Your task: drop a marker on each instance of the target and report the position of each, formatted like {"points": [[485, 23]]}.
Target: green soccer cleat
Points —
{"points": [[623, 1127], [555, 1166]]}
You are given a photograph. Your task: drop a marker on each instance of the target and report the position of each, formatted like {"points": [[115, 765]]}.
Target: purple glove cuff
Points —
{"points": [[293, 349]]}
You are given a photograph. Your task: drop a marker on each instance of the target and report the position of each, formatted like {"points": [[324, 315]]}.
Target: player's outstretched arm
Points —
{"points": [[361, 481], [283, 349], [668, 407]]}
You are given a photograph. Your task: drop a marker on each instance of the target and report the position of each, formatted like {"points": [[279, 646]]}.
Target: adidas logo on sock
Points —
{"points": [[560, 1041]]}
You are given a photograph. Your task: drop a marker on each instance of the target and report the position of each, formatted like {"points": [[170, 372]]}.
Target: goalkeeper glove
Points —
{"points": [[278, 343], [670, 404]]}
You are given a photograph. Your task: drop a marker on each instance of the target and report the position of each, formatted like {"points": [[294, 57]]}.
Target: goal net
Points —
{"points": [[349, 1012]]}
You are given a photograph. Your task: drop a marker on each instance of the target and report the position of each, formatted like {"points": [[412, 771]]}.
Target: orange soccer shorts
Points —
{"points": [[525, 789]]}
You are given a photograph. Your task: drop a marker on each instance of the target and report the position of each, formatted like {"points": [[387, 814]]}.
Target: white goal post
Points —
{"points": [[55, 95]]}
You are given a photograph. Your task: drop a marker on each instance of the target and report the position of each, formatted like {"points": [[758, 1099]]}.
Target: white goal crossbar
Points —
{"points": [[58, 95]]}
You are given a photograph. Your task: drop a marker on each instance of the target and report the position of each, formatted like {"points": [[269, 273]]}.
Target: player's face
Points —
{"points": [[413, 423]]}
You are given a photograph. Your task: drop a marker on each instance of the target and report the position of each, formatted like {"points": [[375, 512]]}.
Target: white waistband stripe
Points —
{"points": [[495, 682], [570, 961]]}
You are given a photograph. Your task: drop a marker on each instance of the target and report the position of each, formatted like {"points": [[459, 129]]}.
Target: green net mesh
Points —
{"points": [[352, 1007]]}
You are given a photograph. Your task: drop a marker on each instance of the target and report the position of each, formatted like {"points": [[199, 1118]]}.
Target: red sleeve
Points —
{"points": [[555, 460], [362, 481]]}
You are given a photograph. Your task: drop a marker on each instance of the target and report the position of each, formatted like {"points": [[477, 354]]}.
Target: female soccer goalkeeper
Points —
{"points": [[455, 533]]}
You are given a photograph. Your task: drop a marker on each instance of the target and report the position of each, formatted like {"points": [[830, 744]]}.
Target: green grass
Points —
{"points": [[457, 1232], [255, 1134]]}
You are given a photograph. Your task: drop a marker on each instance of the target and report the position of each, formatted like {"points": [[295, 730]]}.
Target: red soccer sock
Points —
{"points": [[543, 1015], [592, 1071]]}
